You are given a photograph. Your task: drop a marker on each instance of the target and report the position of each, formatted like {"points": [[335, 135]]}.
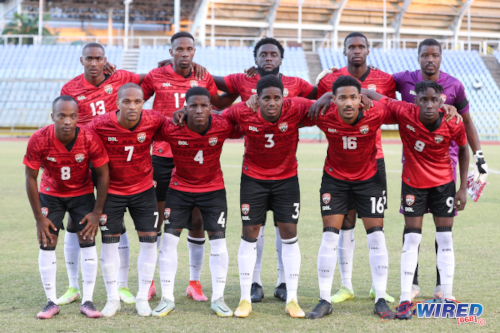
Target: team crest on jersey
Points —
{"points": [[108, 89], [45, 211], [438, 138], [410, 199], [245, 209], [364, 129], [372, 87], [213, 141], [283, 126], [443, 98], [326, 198], [166, 213], [285, 92], [141, 137], [103, 219], [254, 91], [193, 83], [79, 158], [154, 183]]}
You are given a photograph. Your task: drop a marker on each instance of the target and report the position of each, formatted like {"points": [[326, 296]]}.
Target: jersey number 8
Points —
{"points": [[65, 173]]}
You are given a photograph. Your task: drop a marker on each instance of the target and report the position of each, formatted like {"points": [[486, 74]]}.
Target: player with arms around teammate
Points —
{"points": [[428, 182], [196, 182], [96, 94], [64, 150], [127, 135]]}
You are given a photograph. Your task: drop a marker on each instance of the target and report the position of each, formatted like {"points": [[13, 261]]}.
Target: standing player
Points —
{"points": [[96, 94], [428, 181], [127, 135], [64, 151], [196, 182]]}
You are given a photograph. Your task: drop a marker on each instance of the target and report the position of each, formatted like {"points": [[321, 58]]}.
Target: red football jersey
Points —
{"points": [[196, 157], [426, 151], [351, 152], [65, 173], [130, 165], [270, 147], [95, 101], [169, 89], [247, 86], [376, 80]]}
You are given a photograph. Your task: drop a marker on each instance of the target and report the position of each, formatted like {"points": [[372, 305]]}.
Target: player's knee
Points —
{"points": [[349, 221], [288, 231], [251, 231]]}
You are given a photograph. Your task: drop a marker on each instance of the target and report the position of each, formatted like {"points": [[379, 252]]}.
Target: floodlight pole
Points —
{"points": [[110, 26], [177, 15], [125, 34], [299, 37], [40, 22]]}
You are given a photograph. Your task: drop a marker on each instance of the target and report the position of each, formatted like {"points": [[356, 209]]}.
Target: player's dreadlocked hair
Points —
{"points": [[64, 98], [355, 34], [268, 40], [127, 86], [345, 81], [181, 34], [429, 42], [197, 91], [269, 81], [89, 45], [422, 86]]}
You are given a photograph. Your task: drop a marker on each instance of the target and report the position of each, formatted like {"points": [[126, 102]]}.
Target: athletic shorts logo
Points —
{"points": [[166, 213], [285, 92], [443, 98], [283, 126], [45, 211], [245, 209], [326, 198], [103, 219], [438, 138], [410, 199], [79, 158], [364, 129], [193, 83], [108, 89], [213, 141], [154, 183], [372, 87], [141, 137]]}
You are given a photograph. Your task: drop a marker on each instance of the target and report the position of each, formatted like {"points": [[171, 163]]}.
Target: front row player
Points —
{"points": [[196, 182], [64, 151], [127, 135], [428, 180]]}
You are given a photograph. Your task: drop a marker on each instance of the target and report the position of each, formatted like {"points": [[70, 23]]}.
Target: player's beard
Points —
{"points": [[263, 72]]}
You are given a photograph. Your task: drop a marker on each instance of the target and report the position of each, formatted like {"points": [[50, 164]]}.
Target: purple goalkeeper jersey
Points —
{"points": [[453, 94]]}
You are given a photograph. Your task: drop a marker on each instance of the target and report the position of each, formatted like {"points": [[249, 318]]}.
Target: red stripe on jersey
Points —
{"points": [[130, 166], [427, 159], [197, 157], [169, 89], [95, 101], [65, 173], [270, 148]]}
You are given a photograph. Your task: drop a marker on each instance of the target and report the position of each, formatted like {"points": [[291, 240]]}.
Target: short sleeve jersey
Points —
{"points": [[66, 172], [246, 87], [170, 89], [270, 151], [129, 151], [196, 156], [374, 80], [426, 151], [95, 101], [351, 154]]}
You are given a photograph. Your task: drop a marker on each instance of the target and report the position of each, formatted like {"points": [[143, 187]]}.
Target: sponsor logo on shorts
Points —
{"points": [[141, 137], [103, 219], [364, 129], [166, 213], [283, 126], [245, 209], [285, 92], [325, 208], [193, 83], [372, 87], [52, 159], [410, 199], [438, 138], [45, 211], [409, 210], [81, 98], [79, 158], [326, 197], [213, 141], [103, 228], [108, 89], [443, 98]]}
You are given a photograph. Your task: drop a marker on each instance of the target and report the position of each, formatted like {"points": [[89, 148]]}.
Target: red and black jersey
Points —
{"points": [[247, 86], [66, 170], [95, 101], [427, 161], [374, 80], [270, 151], [197, 156], [351, 152], [129, 151], [170, 89]]}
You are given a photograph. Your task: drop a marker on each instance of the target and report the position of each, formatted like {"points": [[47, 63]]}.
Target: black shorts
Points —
{"points": [[162, 173], [383, 184], [54, 208], [258, 196], [179, 205], [335, 196], [440, 199], [142, 207]]}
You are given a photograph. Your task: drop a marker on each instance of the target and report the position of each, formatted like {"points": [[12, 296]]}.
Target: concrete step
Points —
{"points": [[314, 66], [493, 66]]}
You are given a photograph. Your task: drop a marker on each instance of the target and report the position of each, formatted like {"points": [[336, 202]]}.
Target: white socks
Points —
{"points": [[281, 270], [291, 262], [445, 260], [196, 247], [146, 264], [327, 260], [345, 255], [89, 271], [379, 261], [72, 256], [110, 264], [47, 265], [168, 263], [247, 255], [409, 260], [123, 250], [258, 263], [219, 263]]}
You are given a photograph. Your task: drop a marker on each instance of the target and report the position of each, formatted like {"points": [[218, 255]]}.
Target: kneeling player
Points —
{"points": [[64, 151], [196, 182]]}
